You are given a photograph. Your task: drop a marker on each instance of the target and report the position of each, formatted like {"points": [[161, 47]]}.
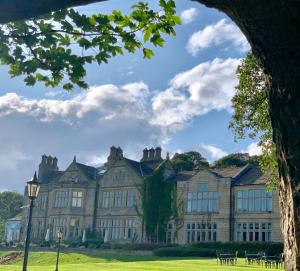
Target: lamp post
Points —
{"points": [[33, 188], [59, 236]]}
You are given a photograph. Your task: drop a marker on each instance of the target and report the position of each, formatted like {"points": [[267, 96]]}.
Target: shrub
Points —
{"points": [[209, 249]]}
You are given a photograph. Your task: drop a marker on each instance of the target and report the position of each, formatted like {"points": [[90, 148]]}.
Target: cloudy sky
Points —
{"points": [[180, 100]]}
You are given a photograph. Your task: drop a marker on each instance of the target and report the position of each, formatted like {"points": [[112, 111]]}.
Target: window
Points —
{"points": [[41, 202], [105, 199], [254, 232], [202, 202], [59, 224], [201, 232], [116, 229], [254, 201], [130, 199], [117, 199], [61, 199], [75, 231], [77, 199], [202, 187]]}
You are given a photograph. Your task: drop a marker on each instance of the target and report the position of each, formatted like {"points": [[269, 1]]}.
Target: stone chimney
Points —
{"points": [[151, 154], [158, 153], [116, 153], [145, 155], [48, 164]]}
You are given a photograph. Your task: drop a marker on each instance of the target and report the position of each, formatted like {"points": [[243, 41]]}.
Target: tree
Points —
{"points": [[60, 44], [272, 28], [191, 160], [10, 203], [235, 159], [251, 116]]}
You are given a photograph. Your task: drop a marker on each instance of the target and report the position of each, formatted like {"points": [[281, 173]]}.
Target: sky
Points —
{"points": [[179, 100]]}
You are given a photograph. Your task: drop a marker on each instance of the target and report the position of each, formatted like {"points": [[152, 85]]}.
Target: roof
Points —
{"points": [[140, 167], [184, 176], [249, 176], [228, 172], [51, 176], [16, 217], [88, 171]]}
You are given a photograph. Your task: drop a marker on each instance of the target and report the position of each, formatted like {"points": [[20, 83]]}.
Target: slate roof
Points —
{"points": [[140, 167], [51, 176], [88, 171], [184, 176], [228, 172], [251, 175]]}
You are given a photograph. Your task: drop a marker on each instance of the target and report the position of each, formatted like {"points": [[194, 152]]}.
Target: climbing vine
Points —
{"points": [[159, 204]]}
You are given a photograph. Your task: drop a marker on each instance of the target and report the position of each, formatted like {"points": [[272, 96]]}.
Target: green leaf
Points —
{"points": [[148, 53]]}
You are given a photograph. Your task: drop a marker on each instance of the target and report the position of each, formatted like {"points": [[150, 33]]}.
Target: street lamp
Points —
{"points": [[59, 236], [33, 188]]}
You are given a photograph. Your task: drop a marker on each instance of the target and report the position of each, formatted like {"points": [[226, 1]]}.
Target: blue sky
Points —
{"points": [[180, 100]]}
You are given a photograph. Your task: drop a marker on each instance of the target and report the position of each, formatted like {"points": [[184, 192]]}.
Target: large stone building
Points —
{"points": [[230, 204]]}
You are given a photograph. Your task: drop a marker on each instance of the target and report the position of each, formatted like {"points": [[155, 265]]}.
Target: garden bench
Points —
{"points": [[227, 258]]}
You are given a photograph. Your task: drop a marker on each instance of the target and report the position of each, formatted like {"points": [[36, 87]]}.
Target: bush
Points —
{"points": [[139, 246], [185, 251], [209, 249]]}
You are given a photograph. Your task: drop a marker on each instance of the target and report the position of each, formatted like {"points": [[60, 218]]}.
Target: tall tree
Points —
{"points": [[272, 29], [10, 203], [251, 117]]}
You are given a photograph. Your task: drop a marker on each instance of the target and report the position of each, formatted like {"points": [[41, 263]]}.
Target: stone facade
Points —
{"points": [[230, 204]]}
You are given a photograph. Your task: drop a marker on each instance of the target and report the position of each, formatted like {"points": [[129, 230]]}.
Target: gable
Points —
{"points": [[75, 173], [121, 174]]}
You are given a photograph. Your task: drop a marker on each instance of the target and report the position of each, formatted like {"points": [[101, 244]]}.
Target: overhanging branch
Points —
{"points": [[13, 10]]}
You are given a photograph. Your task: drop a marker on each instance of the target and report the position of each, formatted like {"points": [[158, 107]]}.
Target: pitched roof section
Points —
{"points": [[88, 171], [139, 167], [228, 172], [251, 175], [51, 176]]}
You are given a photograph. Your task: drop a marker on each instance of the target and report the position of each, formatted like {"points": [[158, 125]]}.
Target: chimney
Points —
{"points": [[47, 165], [151, 154], [54, 162], [145, 155], [158, 153], [115, 154]]}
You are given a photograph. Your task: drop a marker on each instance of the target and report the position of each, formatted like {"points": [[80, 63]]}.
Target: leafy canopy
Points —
{"points": [[59, 45], [188, 161], [235, 159], [251, 116], [10, 203]]}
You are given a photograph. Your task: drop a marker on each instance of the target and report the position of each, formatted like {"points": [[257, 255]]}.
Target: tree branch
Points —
{"points": [[14, 10]]}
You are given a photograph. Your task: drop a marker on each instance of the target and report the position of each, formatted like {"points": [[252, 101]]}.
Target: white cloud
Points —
{"points": [[253, 149], [208, 86], [212, 152], [84, 125], [188, 15], [215, 35], [130, 116]]}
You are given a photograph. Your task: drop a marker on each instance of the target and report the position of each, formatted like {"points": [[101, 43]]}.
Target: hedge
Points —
{"points": [[209, 249]]}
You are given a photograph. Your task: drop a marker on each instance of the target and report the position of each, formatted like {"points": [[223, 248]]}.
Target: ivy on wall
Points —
{"points": [[159, 204]]}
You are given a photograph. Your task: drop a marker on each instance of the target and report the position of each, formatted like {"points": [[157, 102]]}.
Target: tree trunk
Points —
{"points": [[273, 29]]}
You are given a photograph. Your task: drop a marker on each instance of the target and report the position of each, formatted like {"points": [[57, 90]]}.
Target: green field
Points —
{"points": [[95, 261]]}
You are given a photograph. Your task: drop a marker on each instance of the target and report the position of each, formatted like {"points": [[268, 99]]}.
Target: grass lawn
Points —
{"points": [[95, 261]]}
